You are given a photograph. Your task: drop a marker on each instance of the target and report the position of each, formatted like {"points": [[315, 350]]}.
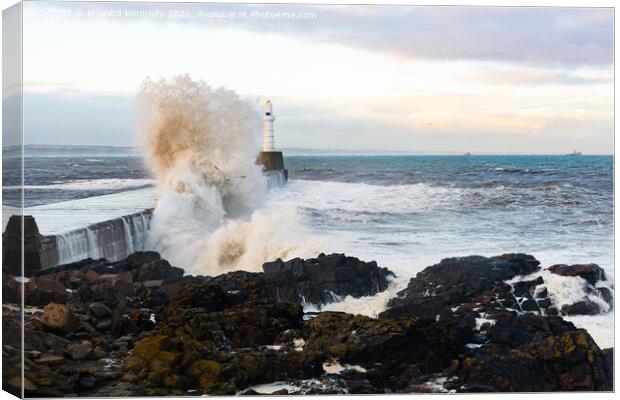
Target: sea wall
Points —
{"points": [[113, 240]]}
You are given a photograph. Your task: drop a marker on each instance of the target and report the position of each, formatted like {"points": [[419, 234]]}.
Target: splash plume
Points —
{"points": [[201, 145]]}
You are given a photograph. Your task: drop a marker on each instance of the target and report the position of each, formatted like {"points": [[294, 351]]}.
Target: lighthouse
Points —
{"points": [[268, 118], [271, 160]]}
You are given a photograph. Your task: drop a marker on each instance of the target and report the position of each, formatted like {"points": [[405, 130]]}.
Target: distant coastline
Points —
{"points": [[294, 151]]}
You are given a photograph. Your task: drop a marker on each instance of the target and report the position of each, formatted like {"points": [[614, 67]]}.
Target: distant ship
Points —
{"points": [[467, 154], [574, 153]]}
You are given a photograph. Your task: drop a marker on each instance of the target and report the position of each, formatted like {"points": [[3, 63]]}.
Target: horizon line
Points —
{"points": [[323, 151]]}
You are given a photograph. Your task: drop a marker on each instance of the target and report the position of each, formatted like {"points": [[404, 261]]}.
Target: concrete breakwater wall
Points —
{"points": [[113, 239], [93, 227]]}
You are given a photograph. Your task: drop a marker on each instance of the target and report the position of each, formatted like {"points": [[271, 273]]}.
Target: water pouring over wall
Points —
{"points": [[113, 240]]}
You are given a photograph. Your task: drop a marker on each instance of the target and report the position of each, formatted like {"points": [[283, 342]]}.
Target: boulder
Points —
{"points": [[324, 279], [209, 297], [526, 288], [317, 281], [11, 290], [79, 351], [43, 290], [455, 281], [100, 310], [584, 307], [592, 273], [58, 317], [606, 294]]}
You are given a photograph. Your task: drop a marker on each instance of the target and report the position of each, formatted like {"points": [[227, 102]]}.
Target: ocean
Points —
{"points": [[405, 212]]}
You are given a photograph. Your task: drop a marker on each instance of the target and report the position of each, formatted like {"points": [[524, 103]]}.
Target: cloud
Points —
{"points": [[513, 76], [535, 35], [448, 124]]}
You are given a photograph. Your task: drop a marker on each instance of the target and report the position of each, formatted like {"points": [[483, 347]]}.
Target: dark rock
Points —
{"points": [[557, 362], [148, 265], [584, 307], [512, 330], [592, 273], [104, 325], [529, 305], [139, 327], [50, 359], [318, 280], [11, 289], [606, 294], [572, 361], [100, 310], [87, 381], [525, 288], [552, 311], [42, 291], [609, 362], [79, 351], [455, 281], [208, 297], [544, 303], [508, 300], [541, 293]]}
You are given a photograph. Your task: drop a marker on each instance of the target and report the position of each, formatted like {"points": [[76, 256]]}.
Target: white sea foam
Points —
{"points": [[600, 327], [201, 146], [92, 184], [566, 290], [363, 197], [268, 388], [370, 306], [334, 367]]}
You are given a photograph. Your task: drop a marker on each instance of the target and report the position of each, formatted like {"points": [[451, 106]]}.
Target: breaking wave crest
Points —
{"points": [[201, 145]]}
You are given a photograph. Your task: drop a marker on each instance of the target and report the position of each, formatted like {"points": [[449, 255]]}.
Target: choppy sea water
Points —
{"points": [[412, 210], [405, 212]]}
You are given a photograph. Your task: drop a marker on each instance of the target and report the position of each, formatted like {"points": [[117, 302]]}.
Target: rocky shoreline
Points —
{"points": [[141, 327]]}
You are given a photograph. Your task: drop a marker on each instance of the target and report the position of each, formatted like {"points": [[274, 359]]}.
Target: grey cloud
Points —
{"points": [[540, 35]]}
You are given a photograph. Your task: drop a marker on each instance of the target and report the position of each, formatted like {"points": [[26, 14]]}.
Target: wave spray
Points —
{"points": [[201, 146]]}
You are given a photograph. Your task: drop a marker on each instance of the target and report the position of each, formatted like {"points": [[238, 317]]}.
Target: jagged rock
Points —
{"points": [[50, 359], [58, 317], [525, 288], [584, 307], [42, 291], [458, 326], [208, 297], [456, 281], [100, 310], [541, 293], [11, 289], [572, 361], [529, 305], [513, 330], [148, 265], [558, 362], [79, 351], [544, 303], [606, 294], [183, 356], [592, 273], [317, 280]]}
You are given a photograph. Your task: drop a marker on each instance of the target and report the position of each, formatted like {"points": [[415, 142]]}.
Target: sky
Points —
{"points": [[534, 80]]}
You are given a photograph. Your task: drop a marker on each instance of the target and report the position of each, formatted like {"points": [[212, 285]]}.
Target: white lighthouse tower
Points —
{"points": [[268, 118], [271, 160]]}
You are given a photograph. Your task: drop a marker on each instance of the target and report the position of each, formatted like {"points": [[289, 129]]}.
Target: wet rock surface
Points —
{"points": [[139, 327]]}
